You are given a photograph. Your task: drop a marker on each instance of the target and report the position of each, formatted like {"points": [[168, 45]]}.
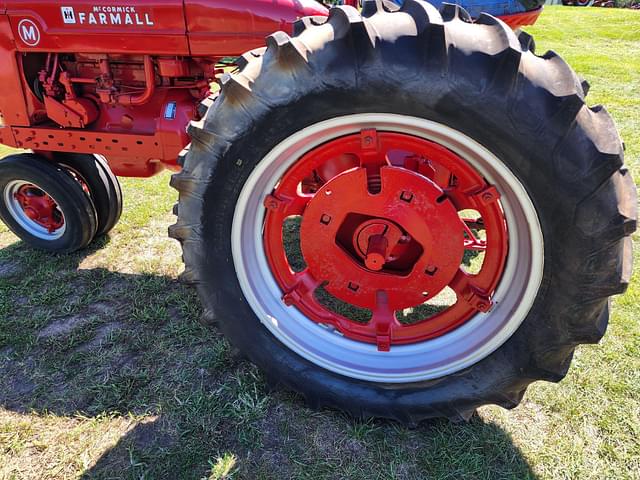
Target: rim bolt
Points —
{"points": [[288, 299], [406, 196], [325, 219], [431, 270], [271, 202], [354, 287], [488, 195]]}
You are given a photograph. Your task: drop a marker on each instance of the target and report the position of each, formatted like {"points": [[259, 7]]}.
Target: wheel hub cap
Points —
{"points": [[406, 251], [39, 207]]}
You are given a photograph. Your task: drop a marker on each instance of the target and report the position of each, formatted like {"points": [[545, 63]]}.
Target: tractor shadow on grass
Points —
{"points": [[96, 351]]}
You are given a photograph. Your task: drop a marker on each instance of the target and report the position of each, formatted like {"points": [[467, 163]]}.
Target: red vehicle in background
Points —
{"points": [[399, 211]]}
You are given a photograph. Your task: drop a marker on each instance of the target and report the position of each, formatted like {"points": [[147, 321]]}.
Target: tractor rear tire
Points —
{"points": [[103, 185], [472, 90], [45, 205]]}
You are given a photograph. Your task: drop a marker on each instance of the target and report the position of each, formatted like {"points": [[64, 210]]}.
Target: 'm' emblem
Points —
{"points": [[29, 32]]}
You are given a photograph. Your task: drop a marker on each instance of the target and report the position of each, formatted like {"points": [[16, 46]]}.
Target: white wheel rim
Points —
{"points": [[447, 354], [17, 212]]}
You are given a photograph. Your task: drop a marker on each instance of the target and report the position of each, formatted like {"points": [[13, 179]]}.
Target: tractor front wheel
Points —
{"points": [[406, 214], [104, 187], [45, 205]]}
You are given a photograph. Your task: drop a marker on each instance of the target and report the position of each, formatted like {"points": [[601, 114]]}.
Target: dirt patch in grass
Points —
{"points": [[20, 385], [64, 326], [6, 351], [15, 381], [150, 434], [101, 334], [9, 269]]}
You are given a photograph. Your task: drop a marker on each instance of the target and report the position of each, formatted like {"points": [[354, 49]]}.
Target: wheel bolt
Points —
{"points": [[431, 270], [271, 202], [406, 196]]}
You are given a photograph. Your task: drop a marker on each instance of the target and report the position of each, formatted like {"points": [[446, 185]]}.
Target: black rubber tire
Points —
{"points": [[76, 206], [104, 187], [476, 77]]}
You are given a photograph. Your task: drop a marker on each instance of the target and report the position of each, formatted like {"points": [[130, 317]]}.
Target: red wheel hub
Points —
{"points": [[40, 207], [407, 207], [377, 241], [382, 230]]}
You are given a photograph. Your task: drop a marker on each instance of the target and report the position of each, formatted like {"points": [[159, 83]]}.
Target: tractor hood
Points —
{"points": [[216, 28], [232, 28]]}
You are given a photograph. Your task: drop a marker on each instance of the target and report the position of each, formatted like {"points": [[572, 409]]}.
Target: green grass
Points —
{"points": [[107, 372]]}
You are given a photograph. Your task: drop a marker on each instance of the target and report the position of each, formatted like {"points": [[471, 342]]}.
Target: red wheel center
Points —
{"points": [[409, 212], [40, 207], [386, 222]]}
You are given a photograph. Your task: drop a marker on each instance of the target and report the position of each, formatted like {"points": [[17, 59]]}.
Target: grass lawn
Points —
{"points": [[105, 370]]}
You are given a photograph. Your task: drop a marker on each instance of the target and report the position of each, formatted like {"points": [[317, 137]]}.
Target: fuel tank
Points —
{"points": [[159, 27]]}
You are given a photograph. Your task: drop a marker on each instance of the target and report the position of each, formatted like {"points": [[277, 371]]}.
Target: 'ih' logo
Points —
{"points": [[68, 15], [29, 32]]}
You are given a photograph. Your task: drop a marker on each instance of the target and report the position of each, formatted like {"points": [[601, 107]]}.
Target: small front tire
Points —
{"points": [[103, 185], [45, 205]]}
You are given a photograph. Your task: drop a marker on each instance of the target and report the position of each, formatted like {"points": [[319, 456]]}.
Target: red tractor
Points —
{"points": [[399, 211]]}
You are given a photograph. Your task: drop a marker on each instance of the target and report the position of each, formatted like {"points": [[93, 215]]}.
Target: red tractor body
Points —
{"points": [[122, 80]]}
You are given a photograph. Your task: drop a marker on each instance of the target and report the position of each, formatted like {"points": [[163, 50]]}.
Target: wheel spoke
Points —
{"points": [[301, 293], [470, 293], [287, 206], [382, 320], [472, 242], [371, 152], [372, 158]]}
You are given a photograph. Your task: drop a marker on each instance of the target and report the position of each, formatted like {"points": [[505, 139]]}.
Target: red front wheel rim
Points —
{"points": [[384, 227], [34, 209], [40, 207]]}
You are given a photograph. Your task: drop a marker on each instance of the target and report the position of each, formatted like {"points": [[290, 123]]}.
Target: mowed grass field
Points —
{"points": [[106, 371]]}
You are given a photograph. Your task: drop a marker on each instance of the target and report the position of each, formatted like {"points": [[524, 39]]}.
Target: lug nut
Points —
{"points": [[431, 270], [271, 202], [406, 196]]}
